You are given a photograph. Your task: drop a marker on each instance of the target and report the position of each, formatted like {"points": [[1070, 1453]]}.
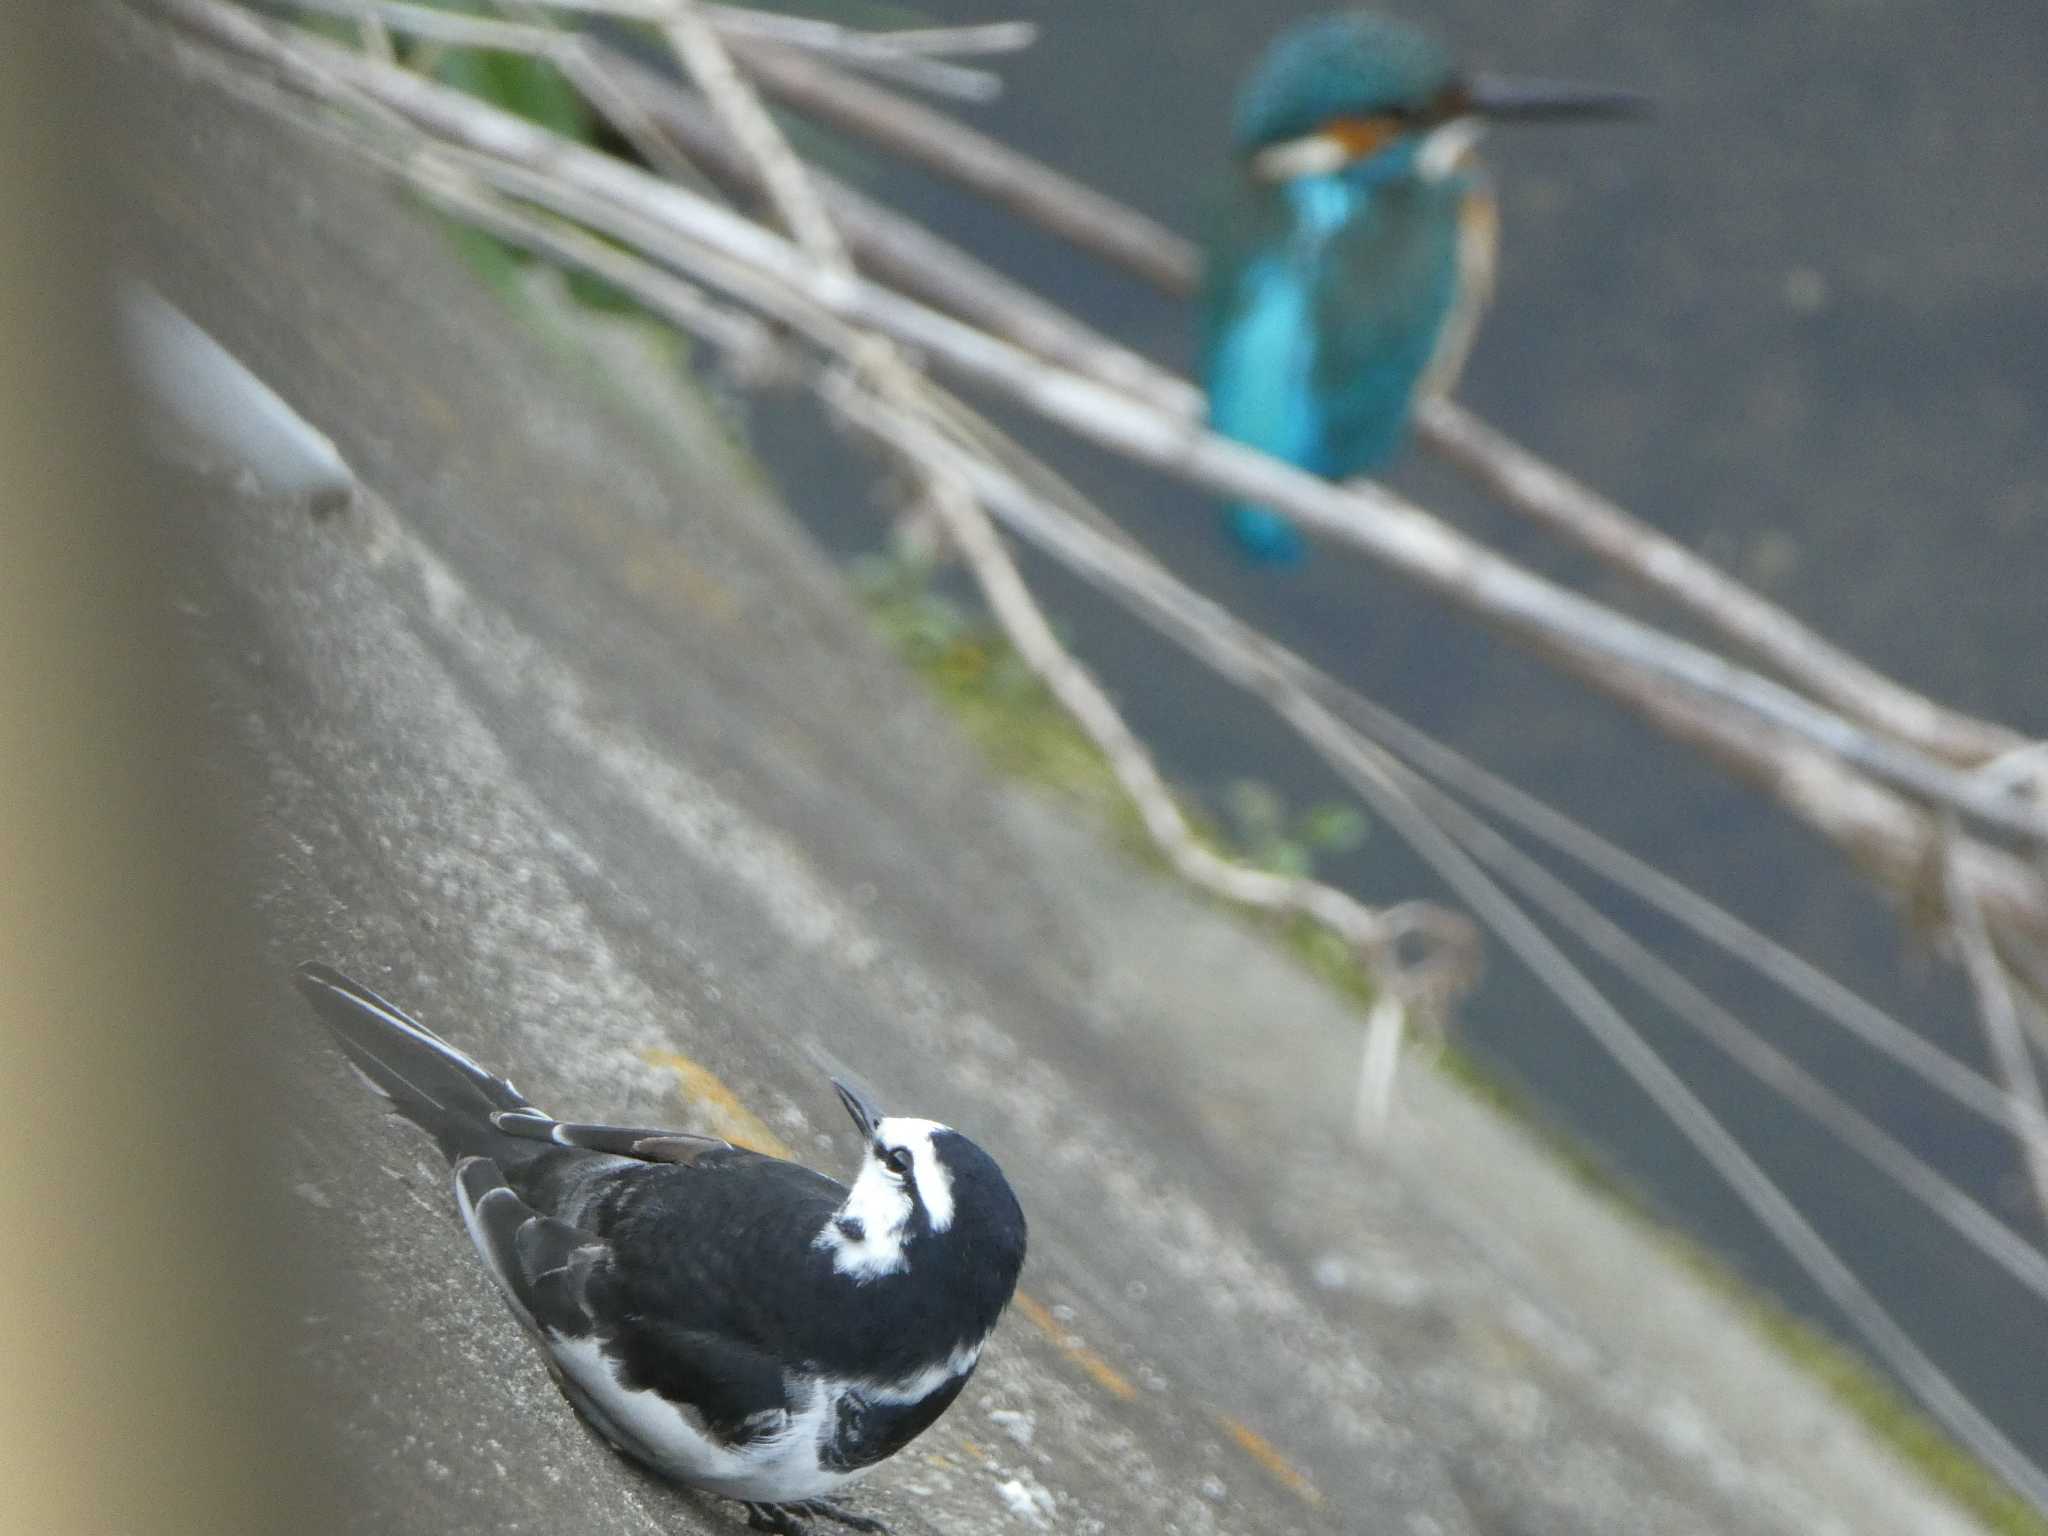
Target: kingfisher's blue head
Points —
{"points": [[1356, 87], [1341, 72]]}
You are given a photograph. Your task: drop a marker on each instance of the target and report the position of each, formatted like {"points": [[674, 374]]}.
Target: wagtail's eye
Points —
{"points": [[897, 1161]]}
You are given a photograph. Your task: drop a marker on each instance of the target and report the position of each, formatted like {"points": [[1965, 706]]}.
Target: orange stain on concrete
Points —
{"points": [[1267, 1455], [1105, 1375], [729, 1117]]}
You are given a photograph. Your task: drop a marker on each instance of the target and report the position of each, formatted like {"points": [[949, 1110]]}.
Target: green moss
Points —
{"points": [[1882, 1407], [999, 702]]}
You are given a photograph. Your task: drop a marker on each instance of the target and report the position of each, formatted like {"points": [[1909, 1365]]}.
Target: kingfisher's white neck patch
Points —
{"points": [[1313, 154], [1445, 149], [867, 1235]]}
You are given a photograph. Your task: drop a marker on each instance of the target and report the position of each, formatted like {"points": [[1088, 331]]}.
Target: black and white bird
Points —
{"points": [[735, 1322]]}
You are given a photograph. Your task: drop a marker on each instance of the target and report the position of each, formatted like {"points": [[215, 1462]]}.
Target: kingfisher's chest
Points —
{"points": [[1379, 259]]}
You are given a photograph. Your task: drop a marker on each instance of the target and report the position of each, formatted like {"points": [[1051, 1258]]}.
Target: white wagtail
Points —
{"points": [[737, 1323]]}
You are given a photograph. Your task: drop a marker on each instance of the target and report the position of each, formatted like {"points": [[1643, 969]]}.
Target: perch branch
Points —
{"points": [[1524, 482], [1407, 538]]}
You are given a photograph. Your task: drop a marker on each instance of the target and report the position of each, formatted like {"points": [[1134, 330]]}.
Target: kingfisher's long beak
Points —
{"points": [[1540, 101], [858, 1105]]}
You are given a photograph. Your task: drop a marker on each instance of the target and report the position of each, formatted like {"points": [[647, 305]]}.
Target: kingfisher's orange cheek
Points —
{"points": [[1360, 137]]}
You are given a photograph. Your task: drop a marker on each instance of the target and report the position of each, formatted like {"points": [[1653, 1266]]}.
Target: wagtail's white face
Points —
{"points": [[903, 1184]]}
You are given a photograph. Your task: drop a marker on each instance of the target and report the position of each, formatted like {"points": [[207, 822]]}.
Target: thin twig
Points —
{"points": [[376, 37], [748, 345], [974, 38], [1027, 629], [1735, 1039], [1997, 1011], [960, 153], [463, 29], [587, 68], [1750, 1182], [697, 46], [617, 10], [911, 57], [1739, 940]]}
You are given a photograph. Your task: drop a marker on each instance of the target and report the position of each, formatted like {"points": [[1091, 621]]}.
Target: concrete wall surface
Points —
{"points": [[567, 740]]}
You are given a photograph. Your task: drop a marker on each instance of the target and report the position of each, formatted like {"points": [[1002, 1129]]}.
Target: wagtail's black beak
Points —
{"points": [[1550, 101], [858, 1105]]}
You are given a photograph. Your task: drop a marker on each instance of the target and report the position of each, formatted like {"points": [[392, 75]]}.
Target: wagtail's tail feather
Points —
{"points": [[430, 1082]]}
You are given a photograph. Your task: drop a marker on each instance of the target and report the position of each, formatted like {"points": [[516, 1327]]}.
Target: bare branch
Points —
{"points": [[461, 28], [969, 39], [911, 56], [973, 159], [1623, 658], [748, 344], [1726, 932], [690, 34], [1524, 482], [1997, 1009], [376, 37], [1626, 544], [618, 10], [910, 257]]}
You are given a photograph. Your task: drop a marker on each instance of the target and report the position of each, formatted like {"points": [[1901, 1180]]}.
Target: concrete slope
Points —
{"points": [[568, 741]]}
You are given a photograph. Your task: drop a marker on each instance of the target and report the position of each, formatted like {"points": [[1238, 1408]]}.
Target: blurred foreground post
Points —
{"points": [[137, 1280]]}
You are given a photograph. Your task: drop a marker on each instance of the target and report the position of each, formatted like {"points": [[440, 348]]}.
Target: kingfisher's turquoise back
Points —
{"points": [[1326, 299]]}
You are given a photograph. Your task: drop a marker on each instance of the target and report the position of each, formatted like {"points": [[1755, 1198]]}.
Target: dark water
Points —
{"points": [[1799, 320]]}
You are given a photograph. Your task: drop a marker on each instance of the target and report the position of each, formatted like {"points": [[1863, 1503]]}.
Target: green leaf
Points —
{"points": [[1334, 827], [529, 87], [1255, 809], [1284, 856]]}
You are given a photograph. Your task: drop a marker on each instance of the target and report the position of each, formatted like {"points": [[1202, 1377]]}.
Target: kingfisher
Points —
{"points": [[1356, 248]]}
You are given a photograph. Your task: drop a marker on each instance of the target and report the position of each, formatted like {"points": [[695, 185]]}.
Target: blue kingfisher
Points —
{"points": [[1356, 250]]}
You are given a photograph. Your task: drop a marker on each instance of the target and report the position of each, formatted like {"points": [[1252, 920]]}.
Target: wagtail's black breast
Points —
{"points": [[738, 1322]]}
